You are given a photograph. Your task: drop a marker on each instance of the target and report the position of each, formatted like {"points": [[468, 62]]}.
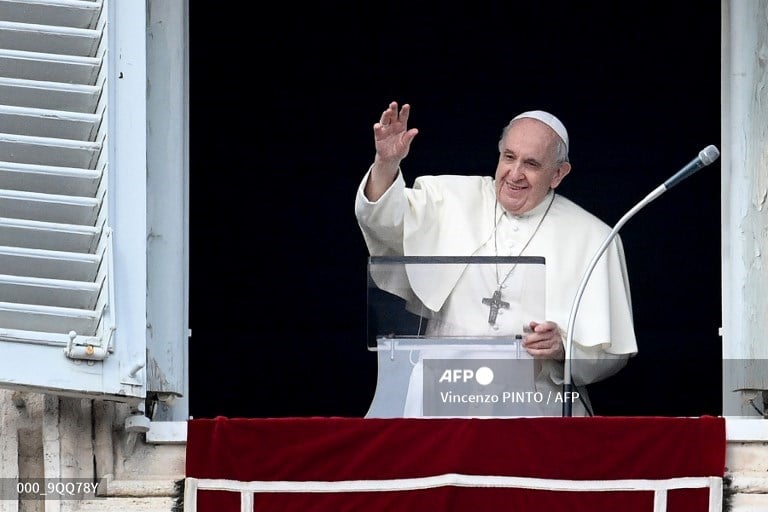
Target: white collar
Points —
{"points": [[534, 212]]}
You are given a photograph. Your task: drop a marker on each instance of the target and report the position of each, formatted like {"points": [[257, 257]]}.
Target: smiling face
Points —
{"points": [[528, 165]]}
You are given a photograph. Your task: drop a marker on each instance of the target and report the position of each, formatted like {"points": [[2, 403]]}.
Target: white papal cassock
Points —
{"points": [[459, 216]]}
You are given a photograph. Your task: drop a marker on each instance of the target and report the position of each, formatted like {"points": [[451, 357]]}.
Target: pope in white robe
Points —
{"points": [[515, 213]]}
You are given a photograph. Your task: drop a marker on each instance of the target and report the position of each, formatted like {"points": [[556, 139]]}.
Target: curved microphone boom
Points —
{"points": [[706, 156]]}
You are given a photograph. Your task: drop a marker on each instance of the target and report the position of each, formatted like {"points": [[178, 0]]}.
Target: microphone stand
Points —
{"points": [[706, 157], [567, 380]]}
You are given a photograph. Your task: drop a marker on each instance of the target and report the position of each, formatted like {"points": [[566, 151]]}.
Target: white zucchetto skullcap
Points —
{"points": [[549, 120]]}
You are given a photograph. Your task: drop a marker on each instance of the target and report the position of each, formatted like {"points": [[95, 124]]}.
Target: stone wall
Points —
{"points": [[80, 440]]}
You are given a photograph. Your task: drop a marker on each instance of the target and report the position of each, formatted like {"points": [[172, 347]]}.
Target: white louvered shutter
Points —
{"points": [[57, 286]]}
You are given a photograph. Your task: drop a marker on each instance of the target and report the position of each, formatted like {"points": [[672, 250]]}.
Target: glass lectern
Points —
{"points": [[447, 332]]}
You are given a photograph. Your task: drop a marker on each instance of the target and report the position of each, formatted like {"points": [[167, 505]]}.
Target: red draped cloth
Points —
{"points": [[306, 451]]}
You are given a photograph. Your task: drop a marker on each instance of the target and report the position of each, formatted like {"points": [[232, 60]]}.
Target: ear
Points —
{"points": [[560, 173]]}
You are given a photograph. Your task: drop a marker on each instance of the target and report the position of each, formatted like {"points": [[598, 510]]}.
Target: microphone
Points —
{"points": [[706, 156]]}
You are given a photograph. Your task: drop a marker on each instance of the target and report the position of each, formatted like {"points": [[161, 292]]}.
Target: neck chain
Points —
{"points": [[495, 302]]}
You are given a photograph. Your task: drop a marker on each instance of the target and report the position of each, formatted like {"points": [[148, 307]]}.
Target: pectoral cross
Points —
{"points": [[495, 303]]}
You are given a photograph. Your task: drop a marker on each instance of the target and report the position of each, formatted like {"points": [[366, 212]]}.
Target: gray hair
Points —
{"points": [[561, 150]]}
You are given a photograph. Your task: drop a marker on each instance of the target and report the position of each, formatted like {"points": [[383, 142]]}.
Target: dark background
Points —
{"points": [[282, 108]]}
